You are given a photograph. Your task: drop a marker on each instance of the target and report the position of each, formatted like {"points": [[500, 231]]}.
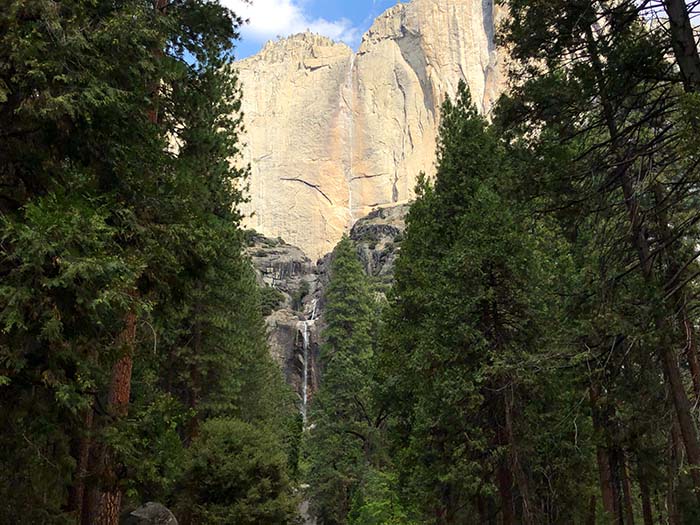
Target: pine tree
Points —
{"points": [[465, 334], [121, 251], [344, 420], [607, 101]]}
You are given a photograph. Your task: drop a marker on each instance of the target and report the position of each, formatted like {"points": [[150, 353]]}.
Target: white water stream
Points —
{"points": [[348, 96], [305, 325]]}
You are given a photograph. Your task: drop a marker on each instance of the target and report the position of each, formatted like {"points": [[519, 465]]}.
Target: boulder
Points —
{"points": [[149, 514]]}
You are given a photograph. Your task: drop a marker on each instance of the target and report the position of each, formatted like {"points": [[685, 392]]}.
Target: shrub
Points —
{"points": [[237, 473]]}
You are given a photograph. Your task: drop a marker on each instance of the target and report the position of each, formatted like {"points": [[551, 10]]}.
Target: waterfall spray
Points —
{"points": [[305, 374]]}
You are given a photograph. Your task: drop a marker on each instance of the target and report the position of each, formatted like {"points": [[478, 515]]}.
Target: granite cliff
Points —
{"points": [[332, 134]]}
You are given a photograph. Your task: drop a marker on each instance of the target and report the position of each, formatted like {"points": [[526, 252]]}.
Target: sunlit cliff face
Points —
{"points": [[332, 134]]}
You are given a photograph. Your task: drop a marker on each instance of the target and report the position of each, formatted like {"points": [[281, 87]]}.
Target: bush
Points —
{"points": [[236, 473], [270, 300], [376, 502]]}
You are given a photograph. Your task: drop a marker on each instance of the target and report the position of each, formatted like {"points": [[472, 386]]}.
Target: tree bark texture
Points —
{"points": [[627, 491], [605, 475], [104, 501], [685, 47], [81, 455], [691, 354], [647, 512]]}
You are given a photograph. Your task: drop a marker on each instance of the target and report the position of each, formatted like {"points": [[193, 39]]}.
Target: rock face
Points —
{"points": [[378, 237], [290, 324], [332, 134], [302, 286]]}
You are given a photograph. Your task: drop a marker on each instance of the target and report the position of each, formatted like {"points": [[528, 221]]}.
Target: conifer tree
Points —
{"points": [[607, 94], [121, 252], [344, 420], [465, 332]]}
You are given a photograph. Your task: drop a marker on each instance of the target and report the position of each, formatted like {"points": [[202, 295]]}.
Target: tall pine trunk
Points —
{"points": [[81, 454], [627, 490], [605, 475], [505, 490], [591, 519], [504, 474], [639, 241], [521, 480], [673, 464], [647, 512], [691, 353], [686, 425], [103, 504], [685, 47]]}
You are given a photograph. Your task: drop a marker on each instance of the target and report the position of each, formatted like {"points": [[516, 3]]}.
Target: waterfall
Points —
{"points": [[305, 374], [348, 90]]}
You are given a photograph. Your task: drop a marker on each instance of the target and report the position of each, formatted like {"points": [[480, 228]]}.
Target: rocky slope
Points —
{"points": [[332, 134], [301, 285], [285, 269]]}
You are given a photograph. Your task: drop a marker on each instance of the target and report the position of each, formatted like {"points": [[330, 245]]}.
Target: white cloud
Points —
{"points": [[269, 19]]}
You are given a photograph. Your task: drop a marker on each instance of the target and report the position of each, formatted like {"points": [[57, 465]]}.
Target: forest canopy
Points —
{"points": [[533, 358]]}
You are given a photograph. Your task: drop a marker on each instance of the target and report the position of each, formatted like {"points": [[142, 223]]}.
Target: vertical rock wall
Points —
{"points": [[332, 134]]}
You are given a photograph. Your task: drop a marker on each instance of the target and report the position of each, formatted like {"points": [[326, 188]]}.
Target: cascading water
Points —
{"points": [[348, 96], [306, 339], [305, 373]]}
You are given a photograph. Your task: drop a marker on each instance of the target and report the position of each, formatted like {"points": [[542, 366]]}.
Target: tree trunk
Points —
{"points": [[639, 242], [685, 48], [668, 327], [516, 465], [505, 489], [193, 395], [591, 520], [671, 500], [104, 502], [606, 482], [627, 491], [647, 513], [504, 475], [481, 509], [683, 412], [691, 354], [81, 455], [603, 458]]}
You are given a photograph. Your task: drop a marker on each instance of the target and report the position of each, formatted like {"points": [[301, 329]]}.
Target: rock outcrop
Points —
{"points": [[298, 316], [333, 134], [285, 268], [378, 237], [149, 514]]}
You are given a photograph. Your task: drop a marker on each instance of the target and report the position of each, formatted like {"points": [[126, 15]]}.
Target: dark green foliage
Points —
{"points": [[270, 299], [344, 438], [468, 333], [600, 117], [537, 356], [236, 473], [118, 197]]}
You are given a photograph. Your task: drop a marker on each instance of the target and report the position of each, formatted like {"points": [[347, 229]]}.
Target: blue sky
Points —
{"points": [[343, 20]]}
